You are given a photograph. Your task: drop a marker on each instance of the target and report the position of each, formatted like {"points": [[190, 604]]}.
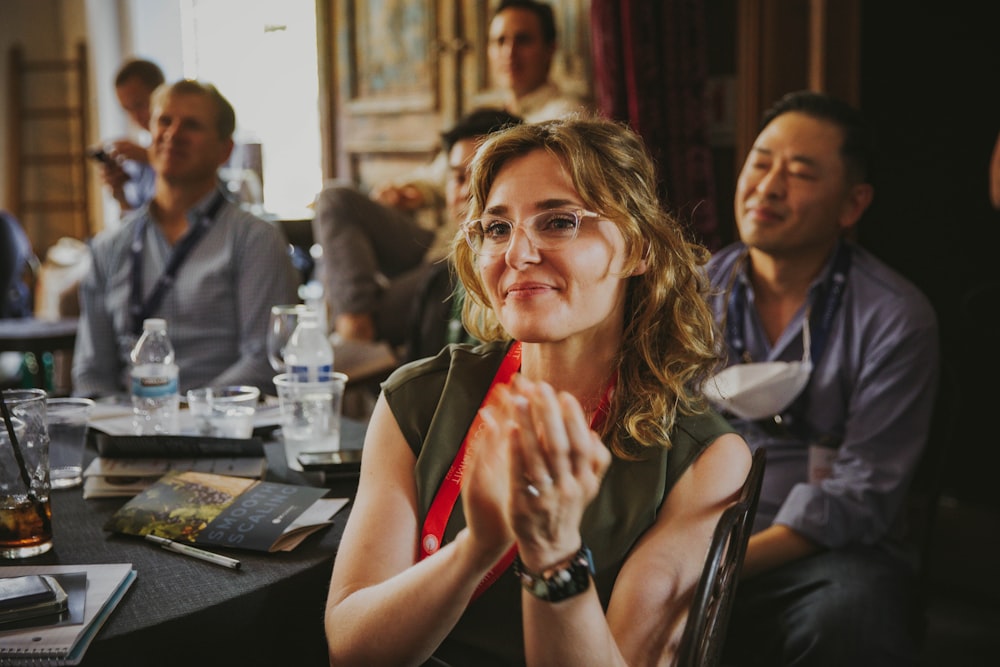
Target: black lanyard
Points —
{"points": [[140, 309], [821, 313]]}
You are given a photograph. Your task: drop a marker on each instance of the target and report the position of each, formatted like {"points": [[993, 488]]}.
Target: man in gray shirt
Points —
{"points": [[843, 353], [190, 256]]}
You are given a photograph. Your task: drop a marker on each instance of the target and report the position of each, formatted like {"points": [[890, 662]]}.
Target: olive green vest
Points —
{"points": [[435, 400]]}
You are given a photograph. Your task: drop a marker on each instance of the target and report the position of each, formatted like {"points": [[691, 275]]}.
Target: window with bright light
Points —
{"points": [[261, 55]]}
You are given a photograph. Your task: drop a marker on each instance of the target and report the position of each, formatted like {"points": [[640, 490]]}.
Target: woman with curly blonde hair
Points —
{"points": [[548, 496], [668, 355]]}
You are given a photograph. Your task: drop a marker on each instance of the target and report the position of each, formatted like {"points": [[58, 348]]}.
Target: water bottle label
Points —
{"points": [[310, 371], [154, 386]]}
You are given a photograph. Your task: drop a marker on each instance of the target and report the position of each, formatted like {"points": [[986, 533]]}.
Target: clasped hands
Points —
{"points": [[533, 468]]}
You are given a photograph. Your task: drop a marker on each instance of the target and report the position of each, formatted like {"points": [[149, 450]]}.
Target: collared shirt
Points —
{"points": [[870, 397], [141, 186], [217, 310], [547, 102]]}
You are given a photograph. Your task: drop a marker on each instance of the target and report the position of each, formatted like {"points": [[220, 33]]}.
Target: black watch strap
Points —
{"points": [[561, 581]]}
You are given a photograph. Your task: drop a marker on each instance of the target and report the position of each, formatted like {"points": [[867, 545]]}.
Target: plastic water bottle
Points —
{"points": [[155, 397], [311, 294], [308, 352]]}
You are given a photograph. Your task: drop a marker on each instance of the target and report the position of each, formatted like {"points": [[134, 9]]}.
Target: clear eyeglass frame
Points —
{"points": [[536, 228]]}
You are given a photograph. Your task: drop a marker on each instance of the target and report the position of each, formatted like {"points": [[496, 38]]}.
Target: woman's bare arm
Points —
{"points": [[651, 598], [375, 584]]}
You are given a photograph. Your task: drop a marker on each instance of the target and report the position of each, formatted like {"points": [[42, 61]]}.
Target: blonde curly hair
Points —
{"points": [[669, 344]]}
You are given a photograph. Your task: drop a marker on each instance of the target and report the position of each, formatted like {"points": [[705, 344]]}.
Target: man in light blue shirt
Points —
{"points": [[190, 256], [825, 580]]}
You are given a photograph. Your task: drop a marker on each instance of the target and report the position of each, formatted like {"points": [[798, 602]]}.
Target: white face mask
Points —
{"points": [[761, 390], [758, 391]]}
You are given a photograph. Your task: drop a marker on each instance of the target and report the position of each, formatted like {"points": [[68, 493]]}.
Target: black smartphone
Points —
{"points": [[340, 461], [30, 596], [100, 155]]}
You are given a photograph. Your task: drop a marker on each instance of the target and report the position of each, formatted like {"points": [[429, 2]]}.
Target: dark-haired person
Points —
{"points": [[190, 256], [376, 256], [522, 43], [832, 368], [127, 173]]}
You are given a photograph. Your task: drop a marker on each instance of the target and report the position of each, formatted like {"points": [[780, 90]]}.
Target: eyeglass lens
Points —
{"points": [[546, 231]]}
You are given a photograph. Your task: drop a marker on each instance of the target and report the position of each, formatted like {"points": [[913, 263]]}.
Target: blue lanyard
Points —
{"points": [[821, 314], [140, 309]]}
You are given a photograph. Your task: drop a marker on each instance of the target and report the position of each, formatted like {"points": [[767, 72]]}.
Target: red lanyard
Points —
{"points": [[447, 495]]}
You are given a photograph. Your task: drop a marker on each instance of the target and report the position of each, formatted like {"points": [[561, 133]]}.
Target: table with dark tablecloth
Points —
{"points": [[184, 611]]}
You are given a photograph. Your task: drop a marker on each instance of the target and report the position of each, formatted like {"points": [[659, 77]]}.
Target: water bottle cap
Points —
{"points": [[154, 324], [311, 291]]}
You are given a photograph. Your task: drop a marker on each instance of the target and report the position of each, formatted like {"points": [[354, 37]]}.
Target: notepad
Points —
{"points": [[66, 644]]}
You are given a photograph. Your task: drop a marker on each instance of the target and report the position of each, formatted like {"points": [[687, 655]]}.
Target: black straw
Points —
{"points": [[15, 445]]}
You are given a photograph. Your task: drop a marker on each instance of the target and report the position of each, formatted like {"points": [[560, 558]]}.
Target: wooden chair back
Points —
{"points": [[705, 633]]}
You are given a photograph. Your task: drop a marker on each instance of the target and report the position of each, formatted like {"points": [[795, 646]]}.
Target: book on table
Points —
{"points": [[208, 509], [128, 464], [93, 590]]}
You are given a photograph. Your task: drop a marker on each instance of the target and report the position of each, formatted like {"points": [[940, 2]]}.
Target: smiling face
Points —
{"points": [[574, 294], [793, 196], [186, 144]]}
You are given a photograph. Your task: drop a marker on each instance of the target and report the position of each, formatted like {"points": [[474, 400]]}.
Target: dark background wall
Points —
{"points": [[931, 84], [930, 80]]}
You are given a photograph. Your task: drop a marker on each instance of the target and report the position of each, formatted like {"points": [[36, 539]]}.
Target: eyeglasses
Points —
{"points": [[548, 230]]}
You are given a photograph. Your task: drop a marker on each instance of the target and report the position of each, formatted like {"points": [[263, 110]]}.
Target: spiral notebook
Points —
{"points": [[66, 643]]}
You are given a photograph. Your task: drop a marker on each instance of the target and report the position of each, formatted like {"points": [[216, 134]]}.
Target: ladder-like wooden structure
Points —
{"points": [[48, 187]]}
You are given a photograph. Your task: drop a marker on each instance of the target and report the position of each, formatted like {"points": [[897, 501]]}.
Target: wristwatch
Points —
{"points": [[569, 578]]}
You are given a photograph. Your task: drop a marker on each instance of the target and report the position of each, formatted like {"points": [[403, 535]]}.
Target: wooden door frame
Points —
{"points": [[786, 45]]}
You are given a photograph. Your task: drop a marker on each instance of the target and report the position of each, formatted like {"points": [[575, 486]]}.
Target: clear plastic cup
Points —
{"points": [[67, 422], [310, 413], [224, 412], [25, 504]]}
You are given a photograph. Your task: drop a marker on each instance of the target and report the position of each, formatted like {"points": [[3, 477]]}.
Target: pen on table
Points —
{"points": [[194, 552]]}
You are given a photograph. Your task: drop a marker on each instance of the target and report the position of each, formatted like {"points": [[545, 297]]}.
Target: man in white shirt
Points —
{"points": [[522, 43]]}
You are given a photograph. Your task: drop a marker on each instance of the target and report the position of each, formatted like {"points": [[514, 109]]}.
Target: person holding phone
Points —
{"points": [[190, 256], [125, 166]]}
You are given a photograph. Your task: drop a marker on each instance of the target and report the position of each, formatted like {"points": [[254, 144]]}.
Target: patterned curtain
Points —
{"points": [[650, 69]]}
